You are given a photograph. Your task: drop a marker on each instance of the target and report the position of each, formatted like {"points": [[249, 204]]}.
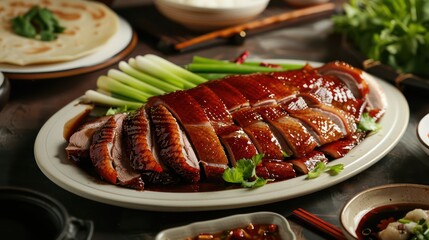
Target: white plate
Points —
{"points": [[51, 159], [115, 45]]}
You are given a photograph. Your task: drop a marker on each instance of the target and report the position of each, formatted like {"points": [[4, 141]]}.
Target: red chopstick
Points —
{"points": [[319, 224]]}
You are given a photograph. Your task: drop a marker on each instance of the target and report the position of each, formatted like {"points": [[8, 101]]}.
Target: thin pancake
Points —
{"points": [[88, 25]]}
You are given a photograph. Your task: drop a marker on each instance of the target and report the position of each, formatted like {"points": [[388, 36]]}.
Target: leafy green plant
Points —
{"points": [[394, 32]]}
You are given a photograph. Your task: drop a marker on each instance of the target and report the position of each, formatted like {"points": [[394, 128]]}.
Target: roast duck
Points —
{"points": [[294, 118]]}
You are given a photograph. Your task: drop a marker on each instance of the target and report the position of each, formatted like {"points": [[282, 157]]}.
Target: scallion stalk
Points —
{"points": [[228, 68], [161, 73], [114, 86], [132, 71], [178, 71], [99, 98], [133, 82]]}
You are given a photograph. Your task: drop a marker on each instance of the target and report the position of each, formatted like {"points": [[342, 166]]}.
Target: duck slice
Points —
{"points": [[275, 169], [109, 158], [281, 90], [260, 132], [236, 142], [138, 138], [350, 76], [213, 107], [343, 146], [230, 96], [79, 142], [346, 121], [307, 163], [325, 129], [295, 135], [197, 126], [175, 149], [256, 93]]}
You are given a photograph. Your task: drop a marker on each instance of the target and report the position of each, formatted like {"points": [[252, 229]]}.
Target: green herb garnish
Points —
{"points": [[244, 173], [367, 123], [321, 168], [38, 23], [395, 33]]}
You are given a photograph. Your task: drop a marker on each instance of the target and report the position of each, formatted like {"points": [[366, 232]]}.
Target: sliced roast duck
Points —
{"points": [[294, 118]]}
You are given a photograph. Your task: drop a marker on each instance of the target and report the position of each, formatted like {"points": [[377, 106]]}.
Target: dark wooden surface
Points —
{"points": [[32, 102]]}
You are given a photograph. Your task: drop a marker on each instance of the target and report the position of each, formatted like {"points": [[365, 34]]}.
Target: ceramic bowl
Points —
{"points": [[231, 222], [203, 15], [391, 194], [4, 90], [423, 133]]}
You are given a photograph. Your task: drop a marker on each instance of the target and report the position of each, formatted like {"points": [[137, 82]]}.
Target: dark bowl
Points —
{"points": [[27, 214]]}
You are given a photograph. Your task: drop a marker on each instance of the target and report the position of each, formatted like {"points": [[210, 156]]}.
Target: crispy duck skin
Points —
{"points": [[327, 89], [197, 126], [260, 132], [139, 143], [236, 142], [106, 152], [232, 98], [174, 147], [275, 169], [325, 129]]}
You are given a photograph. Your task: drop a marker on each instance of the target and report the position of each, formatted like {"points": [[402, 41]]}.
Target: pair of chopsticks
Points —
{"points": [[318, 224], [256, 24]]}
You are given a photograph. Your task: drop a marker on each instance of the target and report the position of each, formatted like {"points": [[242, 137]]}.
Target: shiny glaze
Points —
{"points": [[138, 136]]}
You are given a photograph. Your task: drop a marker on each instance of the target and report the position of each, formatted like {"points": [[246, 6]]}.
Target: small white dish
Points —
{"points": [[392, 194], [200, 17], [423, 133], [226, 223]]}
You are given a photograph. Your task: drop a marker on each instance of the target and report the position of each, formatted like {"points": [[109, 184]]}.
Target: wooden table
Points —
{"points": [[32, 102]]}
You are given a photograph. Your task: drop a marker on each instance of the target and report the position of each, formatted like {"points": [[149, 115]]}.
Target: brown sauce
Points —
{"points": [[377, 219], [251, 231]]}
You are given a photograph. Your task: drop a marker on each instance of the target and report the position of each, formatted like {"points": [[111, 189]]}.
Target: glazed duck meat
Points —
{"points": [[294, 118]]}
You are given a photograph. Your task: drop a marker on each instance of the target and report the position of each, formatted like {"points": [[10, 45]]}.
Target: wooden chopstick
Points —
{"points": [[318, 224], [231, 31]]}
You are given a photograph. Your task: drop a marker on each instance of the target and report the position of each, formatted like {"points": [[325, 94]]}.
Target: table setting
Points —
{"points": [[213, 119]]}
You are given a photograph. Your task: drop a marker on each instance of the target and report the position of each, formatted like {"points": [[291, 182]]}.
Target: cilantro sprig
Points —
{"points": [[321, 167], [244, 173], [368, 123], [38, 23]]}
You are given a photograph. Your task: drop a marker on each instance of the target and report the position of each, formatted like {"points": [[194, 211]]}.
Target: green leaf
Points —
{"points": [[37, 23], [233, 175], [247, 168], [318, 169], [368, 123], [244, 173], [335, 169], [321, 167]]}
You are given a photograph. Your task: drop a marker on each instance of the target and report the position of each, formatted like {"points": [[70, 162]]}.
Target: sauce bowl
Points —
{"points": [[392, 194]]}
